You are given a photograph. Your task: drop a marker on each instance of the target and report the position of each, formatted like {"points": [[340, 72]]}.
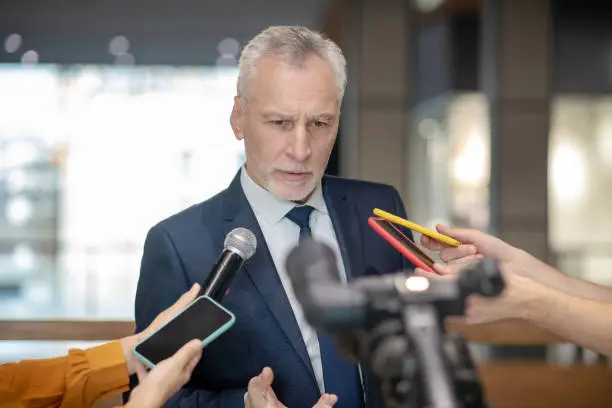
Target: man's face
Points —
{"points": [[289, 125]]}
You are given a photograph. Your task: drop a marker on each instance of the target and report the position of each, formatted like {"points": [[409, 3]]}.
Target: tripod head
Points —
{"points": [[395, 322]]}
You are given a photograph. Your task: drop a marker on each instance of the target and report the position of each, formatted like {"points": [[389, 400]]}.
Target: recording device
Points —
{"points": [[394, 325], [416, 227], [204, 318], [402, 243]]}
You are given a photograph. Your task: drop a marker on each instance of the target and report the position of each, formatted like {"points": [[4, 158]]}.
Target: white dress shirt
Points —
{"points": [[282, 235]]}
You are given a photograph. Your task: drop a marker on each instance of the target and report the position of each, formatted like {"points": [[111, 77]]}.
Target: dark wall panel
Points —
{"points": [[448, 51]]}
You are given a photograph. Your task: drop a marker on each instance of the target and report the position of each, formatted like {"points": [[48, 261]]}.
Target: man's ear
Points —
{"points": [[236, 117]]}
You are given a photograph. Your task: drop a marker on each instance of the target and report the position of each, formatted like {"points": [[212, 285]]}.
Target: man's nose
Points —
{"points": [[299, 146]]}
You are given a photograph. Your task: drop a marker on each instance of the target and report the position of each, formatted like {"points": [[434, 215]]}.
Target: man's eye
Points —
{"points": [[319, 124], [279, 123]]}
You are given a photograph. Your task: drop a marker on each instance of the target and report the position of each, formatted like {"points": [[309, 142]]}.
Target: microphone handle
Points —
{"points": [[221, 275]]}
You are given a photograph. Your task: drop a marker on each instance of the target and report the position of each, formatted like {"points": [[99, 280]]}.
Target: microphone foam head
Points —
{"points": [[312, 261], [241, 241]]}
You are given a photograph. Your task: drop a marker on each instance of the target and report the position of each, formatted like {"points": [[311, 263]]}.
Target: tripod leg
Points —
{"points": [[421, 324]]}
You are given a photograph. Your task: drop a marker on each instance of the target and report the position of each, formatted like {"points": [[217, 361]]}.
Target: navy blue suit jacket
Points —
{"points": [[180, 251]]}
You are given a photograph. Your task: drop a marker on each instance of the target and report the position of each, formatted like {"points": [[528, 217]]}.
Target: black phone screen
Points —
{"points": [[405, 241], [200, 320]]}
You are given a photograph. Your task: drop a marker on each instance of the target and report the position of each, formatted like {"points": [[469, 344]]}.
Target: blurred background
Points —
{"points": [[492, 114]]}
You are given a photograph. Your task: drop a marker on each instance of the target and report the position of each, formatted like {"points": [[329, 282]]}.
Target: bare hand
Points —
{"points": [[162, 382], [261, 395], [516, 266], [171, 312], [511, 303], [128, 343], [476, 245]]}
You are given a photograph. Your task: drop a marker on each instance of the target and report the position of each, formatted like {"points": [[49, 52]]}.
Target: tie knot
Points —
{"points": [[300, 215]]}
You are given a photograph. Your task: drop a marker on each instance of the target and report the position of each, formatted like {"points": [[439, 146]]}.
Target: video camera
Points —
{"points": [[393, 326]]}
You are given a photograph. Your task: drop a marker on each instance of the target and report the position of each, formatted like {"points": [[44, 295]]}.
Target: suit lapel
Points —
{"points": [[261, 270], [347, 226]]}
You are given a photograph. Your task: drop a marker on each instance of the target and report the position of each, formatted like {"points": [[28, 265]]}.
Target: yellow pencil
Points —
{"points": [[416, 227]]}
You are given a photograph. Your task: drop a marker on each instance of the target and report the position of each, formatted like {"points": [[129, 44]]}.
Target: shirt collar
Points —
{"points": [[271, 208]]}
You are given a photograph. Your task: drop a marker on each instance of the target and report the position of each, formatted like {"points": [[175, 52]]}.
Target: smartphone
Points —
{"points": [[402, 243], [416, 227], [203, 319]]}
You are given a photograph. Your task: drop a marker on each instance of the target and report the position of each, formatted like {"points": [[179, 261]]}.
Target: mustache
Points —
{"points": [[294, 169]]}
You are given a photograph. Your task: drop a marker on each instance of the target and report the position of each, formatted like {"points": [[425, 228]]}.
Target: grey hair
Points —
{"points": [[294, 44]]}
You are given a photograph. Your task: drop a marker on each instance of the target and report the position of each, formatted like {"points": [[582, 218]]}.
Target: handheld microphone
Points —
{"points": [[240, 244], [347, 345], [327, 303]]}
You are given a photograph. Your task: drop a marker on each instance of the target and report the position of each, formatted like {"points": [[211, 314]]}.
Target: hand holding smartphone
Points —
{"points": [[402, 243], [203, 319]]}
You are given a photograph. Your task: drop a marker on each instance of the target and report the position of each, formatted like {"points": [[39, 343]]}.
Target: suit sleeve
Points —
{"points": [[163, 279], [78, 379]]}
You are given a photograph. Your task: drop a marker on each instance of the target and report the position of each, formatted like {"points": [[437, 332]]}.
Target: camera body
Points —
{"points": [[395, 326]]}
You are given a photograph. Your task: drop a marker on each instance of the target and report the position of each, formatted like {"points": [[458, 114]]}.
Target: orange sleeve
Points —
{"points": [[76, 380]]}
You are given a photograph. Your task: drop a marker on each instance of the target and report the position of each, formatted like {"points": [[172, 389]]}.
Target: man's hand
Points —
{"points": [[261, 395], [128, 343], [163, 381]]}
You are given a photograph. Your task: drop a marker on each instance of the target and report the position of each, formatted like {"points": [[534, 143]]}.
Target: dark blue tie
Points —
{"points": [[340, 377]]}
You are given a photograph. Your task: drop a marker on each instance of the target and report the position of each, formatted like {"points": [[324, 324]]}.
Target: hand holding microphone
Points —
{"points": [[204, 318]]}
